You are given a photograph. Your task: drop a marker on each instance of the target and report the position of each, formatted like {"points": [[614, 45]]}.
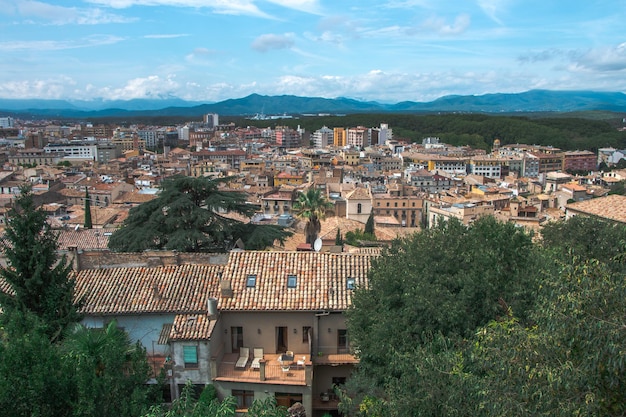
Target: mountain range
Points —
{"points": [[255, 104]]}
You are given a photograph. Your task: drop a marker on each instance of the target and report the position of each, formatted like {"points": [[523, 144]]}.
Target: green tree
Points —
{"points": [[109, 372], [369, 225], [432, 291], [34, 380], [338, 238], [312, 206], [88, 223], [187, 216], [39, 280]]}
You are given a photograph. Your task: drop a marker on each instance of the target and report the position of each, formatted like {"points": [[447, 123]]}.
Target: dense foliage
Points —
{"points": [[312, 206], [482, 321], [479, 130], [189, 216], [49, 364]]}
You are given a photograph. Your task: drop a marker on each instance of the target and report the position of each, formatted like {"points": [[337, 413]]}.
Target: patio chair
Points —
{"points": [[256, 358], [244, 355]]}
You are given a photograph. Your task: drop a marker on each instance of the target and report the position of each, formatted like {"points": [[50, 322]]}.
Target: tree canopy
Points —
{"points": [[312, 206], [481, 320], [189, 215]]}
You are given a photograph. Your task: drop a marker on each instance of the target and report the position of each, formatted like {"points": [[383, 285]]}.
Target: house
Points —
{"points": [[204, 319], [612, 207]]}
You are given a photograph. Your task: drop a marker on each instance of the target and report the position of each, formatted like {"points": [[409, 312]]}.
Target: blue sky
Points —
{"points": [[382, 50]]}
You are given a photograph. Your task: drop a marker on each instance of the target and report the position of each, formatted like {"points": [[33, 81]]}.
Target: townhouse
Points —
{"points": [[253, 324]]}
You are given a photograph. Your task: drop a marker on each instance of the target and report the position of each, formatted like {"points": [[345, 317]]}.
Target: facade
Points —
{"points": [[339, 137], [359, 136], [287, 137], [322, 138], [579, 161], [407, 210], [82, 151]]}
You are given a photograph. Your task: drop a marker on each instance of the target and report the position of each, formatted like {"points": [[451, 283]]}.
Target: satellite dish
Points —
{"points": [[76, 227], [317, 245]]}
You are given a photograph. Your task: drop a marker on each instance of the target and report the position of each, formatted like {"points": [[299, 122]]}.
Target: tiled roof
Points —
{"points": [[320, 280], [191, 327], [83, 239], [320, 284], [168, 289], [612, 207]]}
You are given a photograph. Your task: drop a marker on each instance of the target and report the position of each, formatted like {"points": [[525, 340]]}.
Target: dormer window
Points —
{"points": [[350, 283], [292, 281], [251, 281]]}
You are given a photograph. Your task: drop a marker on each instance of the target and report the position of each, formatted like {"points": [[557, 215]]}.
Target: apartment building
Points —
{"points": [[339, 137]]}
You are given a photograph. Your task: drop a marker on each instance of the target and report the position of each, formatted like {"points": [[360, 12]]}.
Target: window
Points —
{"points": [[359, 207], [190, 356], [350, 283], [305, 333], [251, 282], [342, 341], [292, 281], [244, 398]]}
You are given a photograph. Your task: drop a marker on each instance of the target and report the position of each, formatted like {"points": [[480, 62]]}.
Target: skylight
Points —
{"points": [[251, 281], [292, 281], [350, 283]]}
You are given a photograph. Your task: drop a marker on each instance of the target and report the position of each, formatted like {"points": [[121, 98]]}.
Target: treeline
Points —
{"points": [[476, 130]]}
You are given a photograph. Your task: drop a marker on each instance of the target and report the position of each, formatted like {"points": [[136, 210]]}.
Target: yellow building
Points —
{"points": [[339, 136]]}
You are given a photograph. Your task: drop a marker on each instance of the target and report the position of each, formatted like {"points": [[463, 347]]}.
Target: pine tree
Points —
{"points": [[88, 222], [39, 281]]}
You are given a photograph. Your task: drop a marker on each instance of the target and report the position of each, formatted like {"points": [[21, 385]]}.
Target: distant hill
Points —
{"points": [[530, 101]]}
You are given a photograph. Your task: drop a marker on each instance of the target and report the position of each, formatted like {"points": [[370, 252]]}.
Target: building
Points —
{"points": [[287, 137], [322, 138], [579, 161], [359, 136], [253, 324], [339, 137]]}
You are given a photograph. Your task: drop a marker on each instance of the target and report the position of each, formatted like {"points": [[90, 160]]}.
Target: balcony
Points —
{"points": [[271, 370]]}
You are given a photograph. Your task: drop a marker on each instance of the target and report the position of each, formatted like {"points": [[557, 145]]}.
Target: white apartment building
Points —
{"points": [[323, 137], [74, 150]]}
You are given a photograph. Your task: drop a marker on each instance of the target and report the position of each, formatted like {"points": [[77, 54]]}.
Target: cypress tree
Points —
{"points": [[88, 223]]}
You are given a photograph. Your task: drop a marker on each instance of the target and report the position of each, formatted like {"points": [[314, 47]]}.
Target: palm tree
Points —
{"points": [[312, 205]]}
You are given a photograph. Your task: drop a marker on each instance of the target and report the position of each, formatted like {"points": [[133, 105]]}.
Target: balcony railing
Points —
{"points": [[270, 371]]}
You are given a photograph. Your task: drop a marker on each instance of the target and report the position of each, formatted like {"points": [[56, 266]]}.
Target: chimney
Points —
{"points": [[156, 294], [225, 289]]}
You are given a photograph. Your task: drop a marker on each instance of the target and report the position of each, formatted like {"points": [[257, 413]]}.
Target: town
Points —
{"points": [[255, 323]]}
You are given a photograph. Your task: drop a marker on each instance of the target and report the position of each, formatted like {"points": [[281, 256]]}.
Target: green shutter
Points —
{"points": [[190, 354]]}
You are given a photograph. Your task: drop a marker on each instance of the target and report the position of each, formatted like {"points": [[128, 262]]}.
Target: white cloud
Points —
{"points": [[60, 15], [271, 41], [12, 46], [234, 7], [167, 36], [441, 27], [147, 87], [492, 8], [309, 6]]}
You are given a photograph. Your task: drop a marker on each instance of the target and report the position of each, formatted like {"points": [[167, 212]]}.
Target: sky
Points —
{"points": [[376, 50]]}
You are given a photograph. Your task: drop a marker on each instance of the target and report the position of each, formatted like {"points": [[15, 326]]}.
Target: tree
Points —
{"points": [[34, 380], [39, 280], [312, 205], [338, 238], [88, 223], [188, 216], [369, 225], [432, 290], [109, 372]]}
